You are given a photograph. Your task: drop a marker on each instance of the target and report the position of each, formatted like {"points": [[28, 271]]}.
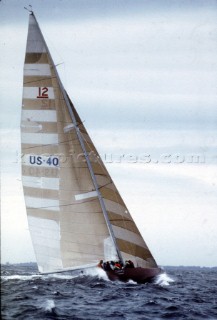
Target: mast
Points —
{"points": [[101, 201]]}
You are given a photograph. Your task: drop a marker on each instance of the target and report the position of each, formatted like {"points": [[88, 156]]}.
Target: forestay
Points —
{"points": [[65, 214]]}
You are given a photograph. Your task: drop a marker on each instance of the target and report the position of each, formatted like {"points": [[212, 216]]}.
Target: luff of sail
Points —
{"points": [[65, 205]]}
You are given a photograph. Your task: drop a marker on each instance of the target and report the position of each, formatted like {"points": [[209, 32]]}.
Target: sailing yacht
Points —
{"points": [[75, 213]]}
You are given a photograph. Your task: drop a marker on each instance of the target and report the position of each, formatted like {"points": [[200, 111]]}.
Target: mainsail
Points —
{"points": [[75, 213]]}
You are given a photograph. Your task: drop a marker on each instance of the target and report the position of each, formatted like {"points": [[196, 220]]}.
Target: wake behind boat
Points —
{"points": [[75, 213]]}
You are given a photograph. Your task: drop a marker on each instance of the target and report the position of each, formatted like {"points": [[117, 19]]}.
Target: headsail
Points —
{"points": [[75, 213]]}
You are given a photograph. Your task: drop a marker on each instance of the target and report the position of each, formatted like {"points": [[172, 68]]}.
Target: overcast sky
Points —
{"points": [[143, 77]]}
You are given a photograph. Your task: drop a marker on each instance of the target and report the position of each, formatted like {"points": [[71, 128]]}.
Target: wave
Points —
{"points": [[21, 277], [39, 276], [190, 296], [61, 276], [163, 279], [49, 305], [96, 272]]}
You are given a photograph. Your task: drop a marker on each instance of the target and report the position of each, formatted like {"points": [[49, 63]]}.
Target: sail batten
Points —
{"points": [[75, 213]]}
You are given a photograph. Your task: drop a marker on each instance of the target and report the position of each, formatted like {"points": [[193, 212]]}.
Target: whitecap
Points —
{"points": [[21, 277], [163, 279], [61, 276], [132, 282], [49, 305], [35, 287], [99, 272]]}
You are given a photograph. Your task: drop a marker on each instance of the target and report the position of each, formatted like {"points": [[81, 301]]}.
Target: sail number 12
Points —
{"points": [[42, 93]]}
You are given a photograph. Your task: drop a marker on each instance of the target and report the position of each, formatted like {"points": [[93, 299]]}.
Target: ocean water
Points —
{"points": [[180, 293]]}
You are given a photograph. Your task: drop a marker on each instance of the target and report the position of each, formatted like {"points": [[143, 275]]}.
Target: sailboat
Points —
{"points": [[75, 213]]}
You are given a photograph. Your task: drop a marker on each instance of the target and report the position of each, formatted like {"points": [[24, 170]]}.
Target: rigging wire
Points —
{"points": [[99, 161]]}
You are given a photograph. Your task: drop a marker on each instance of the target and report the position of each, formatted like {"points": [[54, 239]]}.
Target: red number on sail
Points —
{"points": [[42, 92]]}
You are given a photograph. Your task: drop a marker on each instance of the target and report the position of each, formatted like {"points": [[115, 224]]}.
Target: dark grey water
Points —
{"points": [[26, 295]]}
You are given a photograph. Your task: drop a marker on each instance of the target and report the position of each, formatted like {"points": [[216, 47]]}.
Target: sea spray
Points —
{"points": [[100, 273], [132, 282], [163, 279], [21, 277], [49, 305], [64, 276]]}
